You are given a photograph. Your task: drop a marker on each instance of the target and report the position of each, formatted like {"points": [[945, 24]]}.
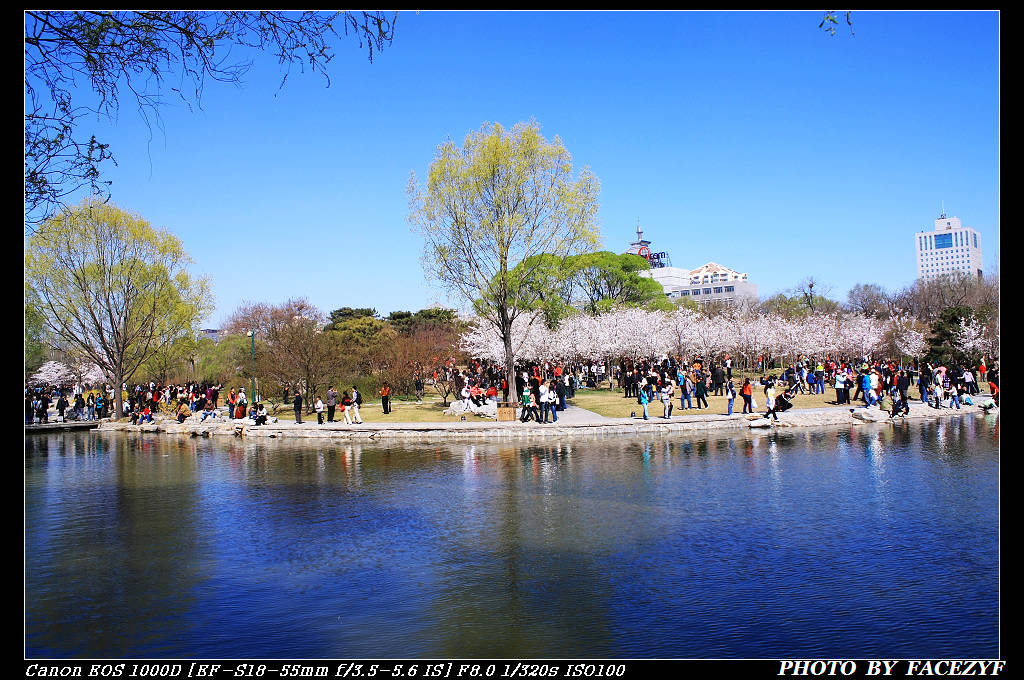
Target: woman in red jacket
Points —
{"points": [[747, 392]]}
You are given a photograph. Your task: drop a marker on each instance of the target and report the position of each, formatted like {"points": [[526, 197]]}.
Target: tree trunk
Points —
{"points": [[118, 404], [510, 367]]}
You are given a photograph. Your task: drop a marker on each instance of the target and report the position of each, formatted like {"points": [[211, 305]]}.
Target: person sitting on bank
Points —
{"points": [[261, 414], [900, 407], [183, 411], [208, 411], [146, 416]]}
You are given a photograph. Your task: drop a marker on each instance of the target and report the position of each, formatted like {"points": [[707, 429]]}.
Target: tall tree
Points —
{"points": [[292, 347], [945, 343], [137, 51], [407, 323], [343, 314], [814, 296], [113, 287], [500, 199], [605, 280], [870, 299], [35, 342]]}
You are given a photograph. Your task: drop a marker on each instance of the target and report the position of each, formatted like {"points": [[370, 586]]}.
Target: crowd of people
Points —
{"points": [[884, 383], [348, 403], [544, 388], [71, 402]]}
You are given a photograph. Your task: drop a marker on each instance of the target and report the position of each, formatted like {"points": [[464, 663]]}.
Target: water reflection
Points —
{"points": [[873, 541]]}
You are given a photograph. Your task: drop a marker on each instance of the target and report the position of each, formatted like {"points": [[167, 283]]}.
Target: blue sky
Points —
{"points": [[752, 139]]}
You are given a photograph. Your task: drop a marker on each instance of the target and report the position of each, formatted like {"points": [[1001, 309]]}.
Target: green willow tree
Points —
{"points": [[592, 282], [605, 280], [500, 199], [113, 287], [35, 341]]}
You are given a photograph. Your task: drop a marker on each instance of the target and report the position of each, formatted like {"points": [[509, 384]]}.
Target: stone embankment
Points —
{"points": [[369, 431]]}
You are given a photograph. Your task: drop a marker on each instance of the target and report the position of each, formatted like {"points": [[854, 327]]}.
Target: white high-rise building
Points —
{"points": [[950, 248]]}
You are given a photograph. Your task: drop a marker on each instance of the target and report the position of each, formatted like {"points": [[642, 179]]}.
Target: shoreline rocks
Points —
{"points": [[823, 417]]}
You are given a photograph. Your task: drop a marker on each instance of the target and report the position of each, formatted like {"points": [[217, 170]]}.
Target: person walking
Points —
{"points": [[970, 387], [730, 393], [865, 389], [667, 391], [769, 400], [644, 400], [319, 408], [544, 402], [903, 388], [552, 402], [524, 403], [530, 407], [418, 386], [297, 405], [43, 412], [385, 398], [701, 393], [956, 394], [560, 393], [685, 390], [937, 392], [357, 401], [346, 407]]}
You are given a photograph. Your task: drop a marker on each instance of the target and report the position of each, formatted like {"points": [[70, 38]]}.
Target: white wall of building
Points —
{"points": [[949, 248]]}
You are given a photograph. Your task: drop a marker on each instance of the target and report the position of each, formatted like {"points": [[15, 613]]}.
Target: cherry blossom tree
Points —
{"points": [[52, 373], [969, 336], [636, 334], [907, 337]]}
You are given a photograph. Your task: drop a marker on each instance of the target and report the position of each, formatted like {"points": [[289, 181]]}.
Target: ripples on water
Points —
{"points": [[869, 542]]}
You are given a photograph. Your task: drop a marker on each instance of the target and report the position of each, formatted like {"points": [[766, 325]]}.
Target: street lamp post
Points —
{"points": [[252, 377]]}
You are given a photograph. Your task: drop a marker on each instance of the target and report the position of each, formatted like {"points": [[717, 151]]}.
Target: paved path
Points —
{"points": [[574, 415]]}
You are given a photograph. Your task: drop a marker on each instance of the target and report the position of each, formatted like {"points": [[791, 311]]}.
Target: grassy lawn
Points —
{"points": [[430, 411], [612, 404]]}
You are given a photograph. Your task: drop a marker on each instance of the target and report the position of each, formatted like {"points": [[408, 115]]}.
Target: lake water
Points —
{"points": [[878, 541]]}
